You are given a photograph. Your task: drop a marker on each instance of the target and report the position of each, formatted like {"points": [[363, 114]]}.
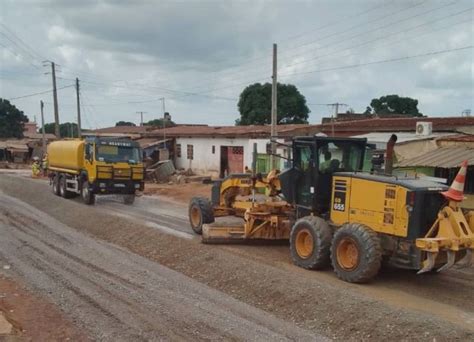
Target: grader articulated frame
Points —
{"points": [[333, 214]]}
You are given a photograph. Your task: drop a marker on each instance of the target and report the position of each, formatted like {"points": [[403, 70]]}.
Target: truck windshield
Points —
{"points": [[114, 154]]}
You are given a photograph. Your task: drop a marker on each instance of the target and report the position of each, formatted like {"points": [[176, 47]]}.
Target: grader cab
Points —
{"points": [[333, 213]]}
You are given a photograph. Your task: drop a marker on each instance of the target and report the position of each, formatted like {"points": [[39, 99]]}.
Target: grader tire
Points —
{"points": [[310, 242], [200, 213], [356, 253]]}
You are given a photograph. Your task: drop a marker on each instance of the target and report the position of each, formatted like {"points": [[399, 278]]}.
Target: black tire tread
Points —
{"points": [[207, 212], [371, 246], [129, 199], [91, 199], [323, 233]]}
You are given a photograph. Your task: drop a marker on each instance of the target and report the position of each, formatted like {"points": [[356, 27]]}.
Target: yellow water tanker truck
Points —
{"points": [[96, 166]]}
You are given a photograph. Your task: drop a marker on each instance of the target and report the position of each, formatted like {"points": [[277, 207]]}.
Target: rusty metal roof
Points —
{"points": [[445, 157]]}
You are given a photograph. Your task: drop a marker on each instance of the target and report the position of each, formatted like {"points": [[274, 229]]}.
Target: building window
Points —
{"points": [[190, 152], [178, 150], [213, 149]]}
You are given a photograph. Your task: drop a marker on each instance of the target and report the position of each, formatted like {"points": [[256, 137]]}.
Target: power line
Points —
{"points": [[20, 49], [328, 36], [317, 29], [382, 61], [22, 41], [18, 55], [359, 34], [381, 37], [39, 93]]}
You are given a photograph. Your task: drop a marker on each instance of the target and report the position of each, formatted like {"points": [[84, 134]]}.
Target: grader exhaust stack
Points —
{"points": [[452, 232]]}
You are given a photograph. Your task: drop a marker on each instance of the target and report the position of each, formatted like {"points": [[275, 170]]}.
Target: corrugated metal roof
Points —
{"points": [[458, 138], [381, 138], [445, 157]]}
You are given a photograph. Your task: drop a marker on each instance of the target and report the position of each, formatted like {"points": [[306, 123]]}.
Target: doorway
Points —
{"points": [[232, 160]]}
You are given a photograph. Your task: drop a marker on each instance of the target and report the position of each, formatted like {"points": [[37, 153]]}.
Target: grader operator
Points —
{"points": [[332, 213]]}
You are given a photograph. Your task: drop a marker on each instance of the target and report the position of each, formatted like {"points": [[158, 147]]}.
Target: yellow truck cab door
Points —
{"points": [[89, 161]]}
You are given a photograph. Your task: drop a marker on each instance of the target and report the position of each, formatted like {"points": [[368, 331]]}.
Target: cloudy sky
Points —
{"points": [[199, 55]]}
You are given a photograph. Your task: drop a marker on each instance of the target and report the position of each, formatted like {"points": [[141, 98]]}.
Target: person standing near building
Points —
{"points": [[35, 168]]}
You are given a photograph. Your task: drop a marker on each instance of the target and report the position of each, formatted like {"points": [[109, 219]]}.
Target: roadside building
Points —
{"points": [[220, 150], [22, 150], [443, 162], [397, 125]]}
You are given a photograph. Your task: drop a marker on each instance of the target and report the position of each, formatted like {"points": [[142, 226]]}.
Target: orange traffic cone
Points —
{"points": [[456, 191]]}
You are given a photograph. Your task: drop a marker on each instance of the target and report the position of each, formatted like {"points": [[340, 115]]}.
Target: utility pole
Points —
{"points": [[42, 128], [336, 111], [164, 120], [141, 121], [55, 101], [273, 131], [141, 117], [79, 133]]}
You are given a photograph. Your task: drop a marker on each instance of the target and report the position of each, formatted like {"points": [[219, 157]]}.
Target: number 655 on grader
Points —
{"points": [[334, 214]]}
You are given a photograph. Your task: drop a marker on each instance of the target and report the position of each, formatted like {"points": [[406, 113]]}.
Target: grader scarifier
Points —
{"points": [[332, 213]]}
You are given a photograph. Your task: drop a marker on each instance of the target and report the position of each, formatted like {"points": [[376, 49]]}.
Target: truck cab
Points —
{"points": [[96, 166], [113, 166]]}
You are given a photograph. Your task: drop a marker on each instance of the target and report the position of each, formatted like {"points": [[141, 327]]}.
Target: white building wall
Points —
{"points": [[208, 163]]}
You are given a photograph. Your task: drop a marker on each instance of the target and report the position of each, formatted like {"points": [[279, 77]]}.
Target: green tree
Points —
{"points": [[66, 130], [159, 123], [255, 105], [12, 120], [124, 123], [394, 104]]}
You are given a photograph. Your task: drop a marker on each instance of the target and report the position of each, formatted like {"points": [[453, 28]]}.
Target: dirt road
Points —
{"points": [[162, 283], [118, 295]]}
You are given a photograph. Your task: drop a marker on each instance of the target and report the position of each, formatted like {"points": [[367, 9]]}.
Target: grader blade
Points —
{"points": [[429, 263], [449, 263], [466, 261], [228, 233]]}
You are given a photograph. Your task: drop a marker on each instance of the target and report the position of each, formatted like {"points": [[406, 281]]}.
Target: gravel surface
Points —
{"points": [[119, 295], [398, 306]]}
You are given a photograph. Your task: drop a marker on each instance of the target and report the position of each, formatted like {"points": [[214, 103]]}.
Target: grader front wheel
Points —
{"points": [[310, 240], [356, 253], [200, 213]]}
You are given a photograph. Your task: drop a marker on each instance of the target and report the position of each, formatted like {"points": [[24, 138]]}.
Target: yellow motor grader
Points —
{"points": [[332, 213]]}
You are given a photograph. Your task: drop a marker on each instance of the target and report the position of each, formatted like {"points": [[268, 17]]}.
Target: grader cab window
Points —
{"points": [[335, 157], [303, 158]]}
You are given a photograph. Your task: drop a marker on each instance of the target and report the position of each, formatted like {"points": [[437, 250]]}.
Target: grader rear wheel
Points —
{"points": [[310, 240], [200, 213], [356, 253]]}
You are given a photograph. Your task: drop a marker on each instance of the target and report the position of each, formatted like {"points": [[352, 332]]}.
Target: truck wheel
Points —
{"points": [[63, 189], [129, 199], [310, 241], [87, 196], [56, 185], [200, 212], [356, 253]]}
